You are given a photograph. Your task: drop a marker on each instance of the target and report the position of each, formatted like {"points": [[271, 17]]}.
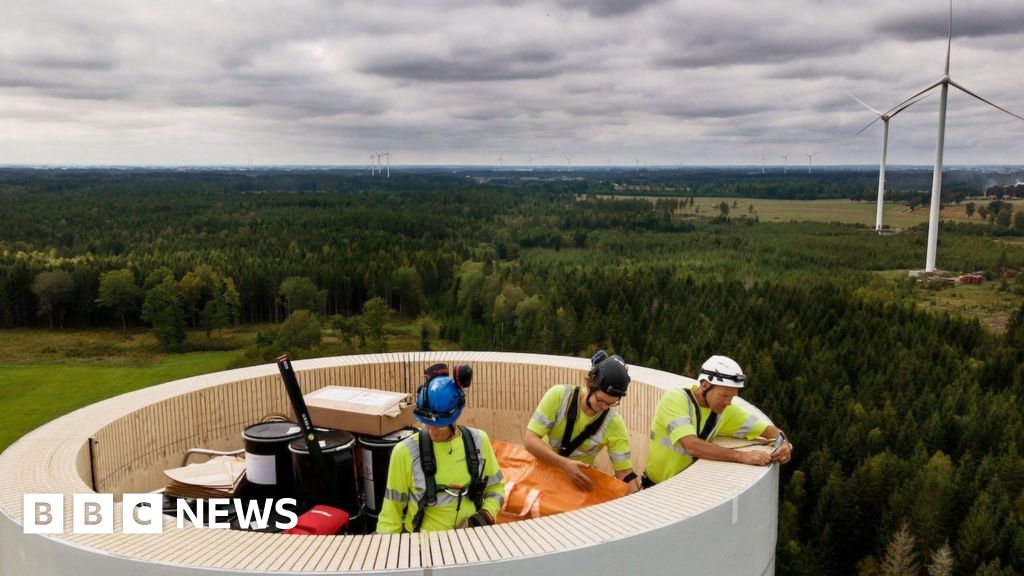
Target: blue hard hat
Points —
{"points": [[439, 402]]}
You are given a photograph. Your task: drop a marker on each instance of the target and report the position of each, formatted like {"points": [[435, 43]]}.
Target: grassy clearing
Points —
{"points": [[985, 302], [31, 395], [844, 211], [45, 374]]}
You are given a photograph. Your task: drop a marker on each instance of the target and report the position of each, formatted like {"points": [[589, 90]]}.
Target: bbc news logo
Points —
{"points": [[143, 513]]}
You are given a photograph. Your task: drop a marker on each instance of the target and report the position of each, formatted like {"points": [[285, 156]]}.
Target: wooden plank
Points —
{"points": [[298, 546], [370, 554], [355, 553], [337, 553], [416, 551], [307, 561], [434, 546], [455, 545]]}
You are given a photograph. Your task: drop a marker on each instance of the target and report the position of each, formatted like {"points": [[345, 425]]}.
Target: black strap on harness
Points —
{"points": [[475, 490], [569, 444], [704, 432]]}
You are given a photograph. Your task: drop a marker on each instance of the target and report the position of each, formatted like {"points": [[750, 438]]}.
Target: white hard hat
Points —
{"points": [[722, 371]]}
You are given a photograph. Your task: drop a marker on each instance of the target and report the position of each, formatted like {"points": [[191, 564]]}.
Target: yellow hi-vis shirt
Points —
{"points": [[407, 483], [549, 422], [675, 418]]}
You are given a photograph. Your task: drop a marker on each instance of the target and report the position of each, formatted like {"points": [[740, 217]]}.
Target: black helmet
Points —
{"points": [[609, 374]]}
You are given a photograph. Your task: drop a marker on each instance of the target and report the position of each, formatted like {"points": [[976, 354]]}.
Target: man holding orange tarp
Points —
{"points": [[572, 424]]}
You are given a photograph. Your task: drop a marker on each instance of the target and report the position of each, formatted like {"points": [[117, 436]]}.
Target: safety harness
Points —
{"points": [[569, 444], [709, 426], [474, 491]]}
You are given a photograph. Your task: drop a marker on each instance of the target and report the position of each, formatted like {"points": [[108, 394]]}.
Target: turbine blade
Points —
{"points": [[965, 90], [909, 104], [949, 39], [870, 124], [863, 104], [889, 111]]}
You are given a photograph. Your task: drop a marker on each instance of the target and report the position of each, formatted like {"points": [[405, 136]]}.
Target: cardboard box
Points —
{"points": [[360, 410]]}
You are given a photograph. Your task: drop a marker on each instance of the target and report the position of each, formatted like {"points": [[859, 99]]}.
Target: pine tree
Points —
{"points": [[941, 563], [900, 558]]}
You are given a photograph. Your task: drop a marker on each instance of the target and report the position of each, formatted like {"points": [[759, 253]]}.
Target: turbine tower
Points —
{"points": [[785, 160], [943, 84], [884, 117], [762, 162]]}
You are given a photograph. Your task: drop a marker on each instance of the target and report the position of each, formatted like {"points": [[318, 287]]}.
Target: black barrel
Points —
{"points": [[268, 465], [375, 456], [338, 448]]}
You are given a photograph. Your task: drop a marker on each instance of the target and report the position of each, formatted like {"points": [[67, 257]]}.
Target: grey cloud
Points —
{"points": [[468, 65], [70, 62], [933, 23], [749, 45], [609, 8]]}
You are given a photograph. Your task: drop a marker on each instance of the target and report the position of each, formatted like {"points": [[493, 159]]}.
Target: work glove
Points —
{"points": [[481, 518]]}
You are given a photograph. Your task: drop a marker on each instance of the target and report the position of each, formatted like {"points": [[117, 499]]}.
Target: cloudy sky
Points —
{"points": [[137, 82]]}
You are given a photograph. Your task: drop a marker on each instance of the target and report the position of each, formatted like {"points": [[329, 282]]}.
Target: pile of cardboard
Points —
{"points": [[218, 477]]}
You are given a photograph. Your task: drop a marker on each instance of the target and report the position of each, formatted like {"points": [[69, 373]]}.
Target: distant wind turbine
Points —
{"points": [[568, 161], [809, 158], [372, 171], [884, 117], [387, 154], [762, 162], [943, 83], [785, 165]]}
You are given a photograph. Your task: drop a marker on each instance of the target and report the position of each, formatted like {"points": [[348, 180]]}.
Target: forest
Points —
{"points": [[907, 424]]}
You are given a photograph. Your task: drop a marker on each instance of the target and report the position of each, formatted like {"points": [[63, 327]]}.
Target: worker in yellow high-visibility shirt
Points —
{"points": [[688, 419], [446, 476], [571, 425]]}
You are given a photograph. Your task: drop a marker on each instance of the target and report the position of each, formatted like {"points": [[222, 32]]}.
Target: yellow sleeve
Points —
{"points": [[741, 424], [543, 419], [677, 416], [494, 493], [398, 492], [618, 444]]}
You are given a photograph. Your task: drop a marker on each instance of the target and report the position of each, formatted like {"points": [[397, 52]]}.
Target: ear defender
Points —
{"points": [[463, 375]]}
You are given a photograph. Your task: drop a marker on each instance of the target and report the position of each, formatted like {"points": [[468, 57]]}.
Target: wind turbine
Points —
{"points": [[884, 117], [809, 158], [785, 159], [943, 83], [372, 171], [387, 154], [568, 162], [501, 161], [762, 162]]}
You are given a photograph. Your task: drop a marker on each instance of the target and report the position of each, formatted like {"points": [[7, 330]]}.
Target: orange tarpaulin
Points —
{"points": [[534, 489]]}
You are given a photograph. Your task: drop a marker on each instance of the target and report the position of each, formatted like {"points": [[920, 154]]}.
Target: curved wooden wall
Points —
{"points": [[123, 444]]}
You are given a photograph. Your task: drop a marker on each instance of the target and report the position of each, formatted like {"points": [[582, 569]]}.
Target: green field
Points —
{"points": [[844, 211], [33, 394], [45, 374]]}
